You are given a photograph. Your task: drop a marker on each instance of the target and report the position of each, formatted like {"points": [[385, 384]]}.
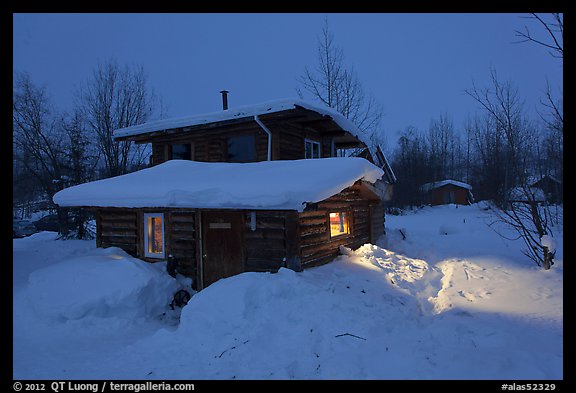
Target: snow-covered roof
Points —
{"points": [[276, 185], [437, 184], [242, 112]]}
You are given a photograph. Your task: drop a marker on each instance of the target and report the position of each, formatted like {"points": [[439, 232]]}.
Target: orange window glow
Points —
{"points": [[339, 224], [154, 235]]}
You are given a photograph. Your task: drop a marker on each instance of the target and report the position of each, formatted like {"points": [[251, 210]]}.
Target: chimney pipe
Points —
{"points": [[224, 99]]}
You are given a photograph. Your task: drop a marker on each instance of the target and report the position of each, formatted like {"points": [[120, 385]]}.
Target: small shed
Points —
{"points": [[551, 187], [446, 192], [220, 219]]}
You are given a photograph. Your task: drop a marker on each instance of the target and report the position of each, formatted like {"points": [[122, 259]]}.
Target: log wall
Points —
{"points": [[316, 244], [210, 146], [124, 228], [118, 228], [271, 245]]}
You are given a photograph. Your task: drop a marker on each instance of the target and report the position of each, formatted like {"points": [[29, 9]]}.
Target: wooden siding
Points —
{"points": [[265, 247], [123, 227], [377, 217], [440, 196], [278, 238], [210, 146], [118, 228], [180, 235], [316, 244]]}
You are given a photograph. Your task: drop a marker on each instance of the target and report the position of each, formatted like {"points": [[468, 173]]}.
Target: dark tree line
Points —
{"points": [[54, 149]]}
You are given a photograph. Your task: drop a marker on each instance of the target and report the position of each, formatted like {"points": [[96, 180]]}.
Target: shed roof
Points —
{"points": [[274, 185], [243, 112], [431, 186]]}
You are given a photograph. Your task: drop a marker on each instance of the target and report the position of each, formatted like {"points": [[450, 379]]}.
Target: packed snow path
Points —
{"points": [[445, 299]]}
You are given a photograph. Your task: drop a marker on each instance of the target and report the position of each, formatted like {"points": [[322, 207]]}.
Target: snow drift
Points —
{"points": [[423, 305], [105, 283]]}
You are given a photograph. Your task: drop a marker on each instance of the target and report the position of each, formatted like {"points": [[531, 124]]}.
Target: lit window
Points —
{"points": [[339, 224], [182, 151], [242, 148], [154, 235], [311, 149]]}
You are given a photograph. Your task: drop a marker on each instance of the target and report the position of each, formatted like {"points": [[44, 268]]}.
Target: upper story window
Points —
{"points": [[182, 151], [242, 148], [311, 149]]}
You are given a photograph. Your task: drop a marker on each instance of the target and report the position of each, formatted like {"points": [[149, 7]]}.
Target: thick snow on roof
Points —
{"points": [[431, 186], [242, 112], [277, 185]]}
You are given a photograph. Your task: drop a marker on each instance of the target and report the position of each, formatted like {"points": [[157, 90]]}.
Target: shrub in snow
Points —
{"points": [[548, 241], [106, 283]]}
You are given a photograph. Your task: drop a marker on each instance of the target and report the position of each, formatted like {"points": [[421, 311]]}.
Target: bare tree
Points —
{"points": [[553, 38], [338, 87], [445, 148], [529, 216], [503, 105], [115, 98], [80, 161], [38, 138]]}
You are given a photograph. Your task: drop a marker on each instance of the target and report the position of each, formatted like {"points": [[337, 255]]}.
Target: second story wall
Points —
{"points": [[247, 142]]}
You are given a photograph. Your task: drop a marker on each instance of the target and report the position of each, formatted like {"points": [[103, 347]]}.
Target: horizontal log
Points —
{"points": [[182, 226], [112, 216], [124, 225], [313, 220], [182, 219], [129, 248], [263, 264], [118, 239], [319, 261], [320, 258], [314, 238], [183, 246], [270, 233], [311, 214], [268, 223], [313, 229], [118, 232], [267, 244]]}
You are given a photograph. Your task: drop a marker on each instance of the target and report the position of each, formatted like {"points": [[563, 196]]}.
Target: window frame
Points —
{"points": [[154, 255], [312, 142], [191, 147], [254, 147], [348, 213]]}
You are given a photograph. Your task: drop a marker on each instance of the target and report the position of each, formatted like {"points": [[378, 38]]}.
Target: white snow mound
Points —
{"points": [[105, 283]]}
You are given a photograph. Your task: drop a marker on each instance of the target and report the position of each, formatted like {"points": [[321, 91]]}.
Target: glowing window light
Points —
{"points": [[154, 235], [339, 224]]}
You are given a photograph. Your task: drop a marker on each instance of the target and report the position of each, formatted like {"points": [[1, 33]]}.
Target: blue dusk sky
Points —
{"points": [[416, 65]]}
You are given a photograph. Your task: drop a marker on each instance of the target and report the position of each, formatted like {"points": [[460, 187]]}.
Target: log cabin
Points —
{"points": [[254, 188]]}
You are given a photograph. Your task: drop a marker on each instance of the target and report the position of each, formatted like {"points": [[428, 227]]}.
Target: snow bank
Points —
{"points": [[428, 306], [280, 185], [105, 283]]}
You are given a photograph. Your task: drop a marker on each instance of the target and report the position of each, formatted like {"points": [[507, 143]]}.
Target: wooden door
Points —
{"points": [[222, 246]]}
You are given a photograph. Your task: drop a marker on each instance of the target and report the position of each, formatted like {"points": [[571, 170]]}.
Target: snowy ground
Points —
{"points": [[452, 300]]}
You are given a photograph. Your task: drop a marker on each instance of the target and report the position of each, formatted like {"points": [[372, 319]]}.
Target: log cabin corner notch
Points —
{"points": [[222, 216]]}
